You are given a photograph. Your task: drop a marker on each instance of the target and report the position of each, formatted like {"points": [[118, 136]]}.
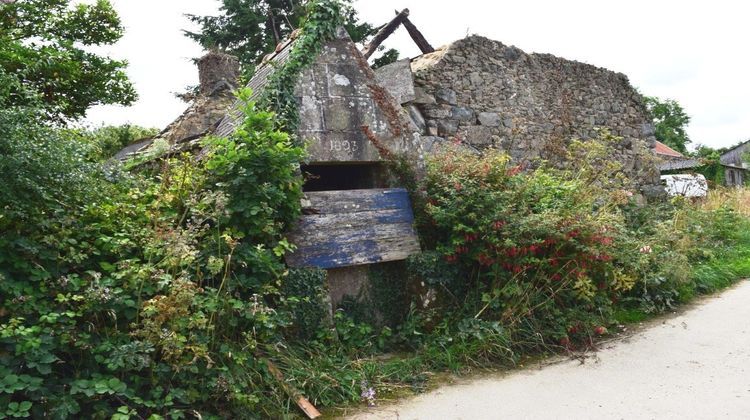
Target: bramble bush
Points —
{"points": [[143, 297], [533, 249], [555, 254]]}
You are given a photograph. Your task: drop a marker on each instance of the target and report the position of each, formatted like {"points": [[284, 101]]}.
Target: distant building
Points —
{"points": [[736, 166], [672, 160], [667, 153]]}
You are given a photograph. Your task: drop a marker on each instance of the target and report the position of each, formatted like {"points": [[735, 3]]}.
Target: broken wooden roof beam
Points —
{"points": [[417, 36], [402, 17]]}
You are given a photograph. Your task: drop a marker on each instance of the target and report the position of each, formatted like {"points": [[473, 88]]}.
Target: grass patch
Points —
{"points": [[630, 316]]}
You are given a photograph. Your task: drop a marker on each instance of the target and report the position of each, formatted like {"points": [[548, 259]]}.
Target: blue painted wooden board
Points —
{"points": [[354, 227]]}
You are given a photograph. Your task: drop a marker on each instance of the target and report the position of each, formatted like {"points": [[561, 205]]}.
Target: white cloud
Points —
{"points": [[690, 51]]}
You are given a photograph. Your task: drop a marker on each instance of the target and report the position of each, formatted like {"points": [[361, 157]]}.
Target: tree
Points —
{"points": [[670, 122], [42, 49], [249, 29]]}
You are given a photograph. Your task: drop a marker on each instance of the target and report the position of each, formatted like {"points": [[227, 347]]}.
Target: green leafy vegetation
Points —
{"points": [[154, 294], [44, 54], [249, 29], [670, 122], [105, 141], [278, 94], [164, 294]]}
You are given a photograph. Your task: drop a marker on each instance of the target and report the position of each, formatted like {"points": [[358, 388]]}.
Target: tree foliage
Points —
{"points": [[43, 48], [105, 141], [670, 122], [250, 29]]}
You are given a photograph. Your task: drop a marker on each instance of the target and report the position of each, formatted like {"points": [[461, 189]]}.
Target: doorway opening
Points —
{"points": [[334, 177]]}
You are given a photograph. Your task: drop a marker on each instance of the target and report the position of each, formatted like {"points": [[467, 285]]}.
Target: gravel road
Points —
{"points": [[695, 365]]}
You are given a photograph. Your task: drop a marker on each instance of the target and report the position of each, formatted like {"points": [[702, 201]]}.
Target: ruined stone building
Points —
{"points": [[475, 91]]}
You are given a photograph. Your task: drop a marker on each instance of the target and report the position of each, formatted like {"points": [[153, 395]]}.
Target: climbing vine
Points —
{"points": [[323, 19]]}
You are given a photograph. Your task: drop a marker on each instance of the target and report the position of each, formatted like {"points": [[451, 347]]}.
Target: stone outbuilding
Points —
{"points": [[475, 91]]}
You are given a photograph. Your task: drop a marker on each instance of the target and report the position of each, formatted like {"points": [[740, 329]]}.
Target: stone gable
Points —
{"points": [[488, 94]]}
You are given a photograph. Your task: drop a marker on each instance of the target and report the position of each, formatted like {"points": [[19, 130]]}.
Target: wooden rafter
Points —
{"points": [[417, 36], [402, 17]]}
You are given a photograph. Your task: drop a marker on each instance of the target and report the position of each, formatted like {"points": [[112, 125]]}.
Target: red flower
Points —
{"points": [[485, 260], [498, 224], [457, 186], [606, 240]]}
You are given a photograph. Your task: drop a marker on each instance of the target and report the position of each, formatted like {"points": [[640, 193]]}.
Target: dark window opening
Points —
{"points": [[330, 177]]}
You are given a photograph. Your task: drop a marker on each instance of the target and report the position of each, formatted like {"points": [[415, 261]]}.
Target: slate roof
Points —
{"points": [[257, 83], [131, 149]]}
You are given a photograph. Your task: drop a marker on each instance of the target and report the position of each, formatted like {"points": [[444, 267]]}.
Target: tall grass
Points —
{"points": [[732, 263]]}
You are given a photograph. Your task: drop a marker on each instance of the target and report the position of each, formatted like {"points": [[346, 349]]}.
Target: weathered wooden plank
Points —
{"points": [[354, 220], [351, 201], [342, 236], [366, 251], [354, 227]]}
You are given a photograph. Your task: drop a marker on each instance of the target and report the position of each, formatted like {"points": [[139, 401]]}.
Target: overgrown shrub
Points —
{"points": [[152, 297], [530, 247], [105, 141], [166, 295]]}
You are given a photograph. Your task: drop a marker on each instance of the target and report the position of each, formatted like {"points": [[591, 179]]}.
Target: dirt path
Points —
{"points": [[695, 365]]}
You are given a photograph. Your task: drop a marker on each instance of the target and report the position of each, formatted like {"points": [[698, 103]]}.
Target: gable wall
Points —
{"points": [[338, 95], [530, 105]]}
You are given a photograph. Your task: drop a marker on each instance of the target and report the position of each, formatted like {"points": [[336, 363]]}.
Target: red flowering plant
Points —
{"points": [[537, 245]]}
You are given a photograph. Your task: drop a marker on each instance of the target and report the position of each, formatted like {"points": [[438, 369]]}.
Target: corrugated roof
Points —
{"points": [[671, 165], [664, 150]]}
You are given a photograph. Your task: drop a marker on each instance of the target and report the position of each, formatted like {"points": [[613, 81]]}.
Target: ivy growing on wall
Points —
{"points": [[324, 17]]}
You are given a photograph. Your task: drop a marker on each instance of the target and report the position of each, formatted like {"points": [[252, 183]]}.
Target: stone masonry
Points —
{"points": [[488, 94]]}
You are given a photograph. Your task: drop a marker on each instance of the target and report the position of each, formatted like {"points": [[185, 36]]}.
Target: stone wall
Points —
{"points": [[339, 96], [491, 95]]}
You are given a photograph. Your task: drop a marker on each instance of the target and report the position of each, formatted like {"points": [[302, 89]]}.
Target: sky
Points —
{"points": [[692, 51]]}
